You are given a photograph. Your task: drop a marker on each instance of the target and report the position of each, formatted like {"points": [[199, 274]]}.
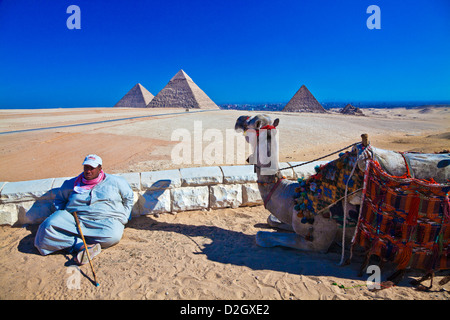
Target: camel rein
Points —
{"points": [[320, 158]]}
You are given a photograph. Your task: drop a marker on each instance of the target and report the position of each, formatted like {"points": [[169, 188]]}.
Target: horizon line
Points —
{"points": [[411, 103]]}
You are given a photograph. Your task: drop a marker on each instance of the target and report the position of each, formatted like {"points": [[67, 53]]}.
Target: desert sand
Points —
{"points": [[196, 254]]}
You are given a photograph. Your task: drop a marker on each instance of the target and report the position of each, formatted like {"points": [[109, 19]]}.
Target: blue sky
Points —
{"points": [[236, 51]]}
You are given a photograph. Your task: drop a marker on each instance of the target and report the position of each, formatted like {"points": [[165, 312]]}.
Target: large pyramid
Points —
{"points": [[137, 97], [304, 101], [182, 92]]}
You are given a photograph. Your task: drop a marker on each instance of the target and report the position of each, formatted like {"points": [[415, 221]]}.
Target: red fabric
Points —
{"points": [[267, 127]]}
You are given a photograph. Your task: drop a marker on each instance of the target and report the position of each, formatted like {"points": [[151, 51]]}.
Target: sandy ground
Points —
{"points": [[145, 143], [197, 254]]}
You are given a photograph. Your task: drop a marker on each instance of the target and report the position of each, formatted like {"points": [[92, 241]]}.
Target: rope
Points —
{"points": [[383, 286], [352, 287], [337, 201], [330, 154], [345, 210]]}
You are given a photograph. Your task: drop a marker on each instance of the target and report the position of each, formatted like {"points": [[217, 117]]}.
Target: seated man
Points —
{"points": [[103, 204]]}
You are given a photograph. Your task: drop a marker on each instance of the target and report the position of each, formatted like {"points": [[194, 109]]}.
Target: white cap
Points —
{"points": [[92, 160]]}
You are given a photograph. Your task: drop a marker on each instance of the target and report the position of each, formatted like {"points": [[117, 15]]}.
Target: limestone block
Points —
{"points": [[251, 195], [201, 176], [307, 170], [239, 174], [225, 195], [189, 198], [8, 214], [154, 201], [165, 179], [34, 212], [136, 210], [27, 190], [58, 182], [133, 179]]}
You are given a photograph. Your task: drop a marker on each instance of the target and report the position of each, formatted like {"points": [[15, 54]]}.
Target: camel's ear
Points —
{"points": [[276, 122], [240, 123]]}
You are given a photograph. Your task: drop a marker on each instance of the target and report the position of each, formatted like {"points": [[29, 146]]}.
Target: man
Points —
{"points": [[103, 203]]}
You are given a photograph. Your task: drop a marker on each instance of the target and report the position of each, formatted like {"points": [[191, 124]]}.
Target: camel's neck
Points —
{"points": [[266, 178], [280, 203], [266, 182]]}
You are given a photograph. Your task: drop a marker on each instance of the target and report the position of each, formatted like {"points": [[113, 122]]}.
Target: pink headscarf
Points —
{"points": [[82, 185]]}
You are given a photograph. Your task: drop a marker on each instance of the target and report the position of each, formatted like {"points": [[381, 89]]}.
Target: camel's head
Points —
{"points": [[262, 135], [244, 123]]}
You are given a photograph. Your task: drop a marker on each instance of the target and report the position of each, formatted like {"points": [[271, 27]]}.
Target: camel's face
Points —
{"points": [[258, 132], [244, 123]]}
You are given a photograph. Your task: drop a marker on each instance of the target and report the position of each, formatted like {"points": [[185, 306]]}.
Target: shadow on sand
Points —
{"points": [[240, 249], [237, 248]]}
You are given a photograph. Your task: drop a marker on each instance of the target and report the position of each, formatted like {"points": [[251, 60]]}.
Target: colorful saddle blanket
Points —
{"points": [[404, 220], [327, 186]]}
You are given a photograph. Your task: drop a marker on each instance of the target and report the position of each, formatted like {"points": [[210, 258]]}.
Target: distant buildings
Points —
{"points": [[253, 107]]}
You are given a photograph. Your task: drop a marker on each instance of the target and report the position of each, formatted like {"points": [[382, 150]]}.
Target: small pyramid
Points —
{"points": [[137, 97], [304, 101], [182, 92], [349, 109]]}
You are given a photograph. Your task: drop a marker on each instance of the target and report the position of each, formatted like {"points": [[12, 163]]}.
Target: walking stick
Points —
{"points": [[86, 248]]}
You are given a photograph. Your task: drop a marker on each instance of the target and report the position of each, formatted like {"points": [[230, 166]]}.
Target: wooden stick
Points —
{"points": [[86, 248]]}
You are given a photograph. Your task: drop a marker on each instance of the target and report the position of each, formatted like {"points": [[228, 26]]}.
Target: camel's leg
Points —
{"points": [[397, 276], [444, 280], [275, 223], [292, 240], [418, 283], [320, 235]]}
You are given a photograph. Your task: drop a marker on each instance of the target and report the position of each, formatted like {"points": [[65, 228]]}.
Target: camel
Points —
{"points": [[244, 123], [317, 234]]}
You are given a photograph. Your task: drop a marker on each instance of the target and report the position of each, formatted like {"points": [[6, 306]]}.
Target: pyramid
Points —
{"points": [[349, 109], [182, 92], [304, 101], [137, 97]]}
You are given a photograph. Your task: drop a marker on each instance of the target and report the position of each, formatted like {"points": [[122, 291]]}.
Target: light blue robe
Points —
{"points": [[102, 211]]}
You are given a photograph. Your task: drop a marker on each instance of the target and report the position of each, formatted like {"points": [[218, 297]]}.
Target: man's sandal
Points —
{"points": [[82, 257]]}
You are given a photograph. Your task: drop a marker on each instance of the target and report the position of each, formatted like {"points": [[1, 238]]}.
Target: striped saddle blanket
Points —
{"points": [[404, 220]]}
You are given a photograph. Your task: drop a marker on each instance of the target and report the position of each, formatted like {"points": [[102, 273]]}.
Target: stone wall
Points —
{"points": [[155, 192]]}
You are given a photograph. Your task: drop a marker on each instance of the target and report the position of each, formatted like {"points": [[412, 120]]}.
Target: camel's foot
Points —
{"points": [[291, 240], [275, 223]]}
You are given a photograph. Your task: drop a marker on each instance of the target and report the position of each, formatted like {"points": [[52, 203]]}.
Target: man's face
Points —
{"points": [[90, 172]]}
